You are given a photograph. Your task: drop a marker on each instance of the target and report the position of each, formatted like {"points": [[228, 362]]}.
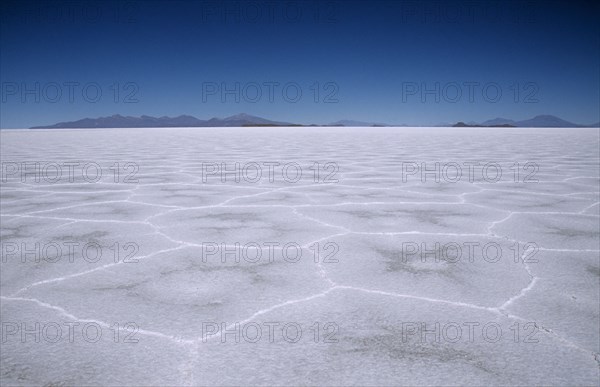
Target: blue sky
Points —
{"points": [[419, 63]]}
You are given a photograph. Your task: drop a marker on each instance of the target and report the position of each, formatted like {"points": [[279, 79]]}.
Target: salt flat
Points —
{"points": [[313, 256]]}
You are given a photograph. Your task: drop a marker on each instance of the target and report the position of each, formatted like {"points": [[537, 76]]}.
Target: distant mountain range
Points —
{"points": [[542, 121], [358, 123], [118, 121]]}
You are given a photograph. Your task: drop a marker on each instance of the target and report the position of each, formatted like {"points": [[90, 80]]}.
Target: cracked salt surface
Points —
{"points": [[395, 313]]}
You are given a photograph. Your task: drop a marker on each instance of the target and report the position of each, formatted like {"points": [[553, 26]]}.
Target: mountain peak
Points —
{"points": [[546, 120], [240, 116]]}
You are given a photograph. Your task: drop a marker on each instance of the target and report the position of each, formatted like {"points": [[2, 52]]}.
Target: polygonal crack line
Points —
{"points": [[103, 324], [253, 316], [85, 272], [296, 212], [532, 281], [251, 195], [157, 230], [76, 206], [192, 342], [496, 310], [75, 220], [500, 309], [183, 244], [553, 334], [582, 212]]}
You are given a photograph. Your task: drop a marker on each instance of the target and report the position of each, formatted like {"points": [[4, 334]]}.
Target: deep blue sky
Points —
{"points": [[372, 59]]}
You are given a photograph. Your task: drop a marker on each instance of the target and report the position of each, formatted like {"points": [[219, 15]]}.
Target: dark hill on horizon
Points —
{"points": [[247, 120]]}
